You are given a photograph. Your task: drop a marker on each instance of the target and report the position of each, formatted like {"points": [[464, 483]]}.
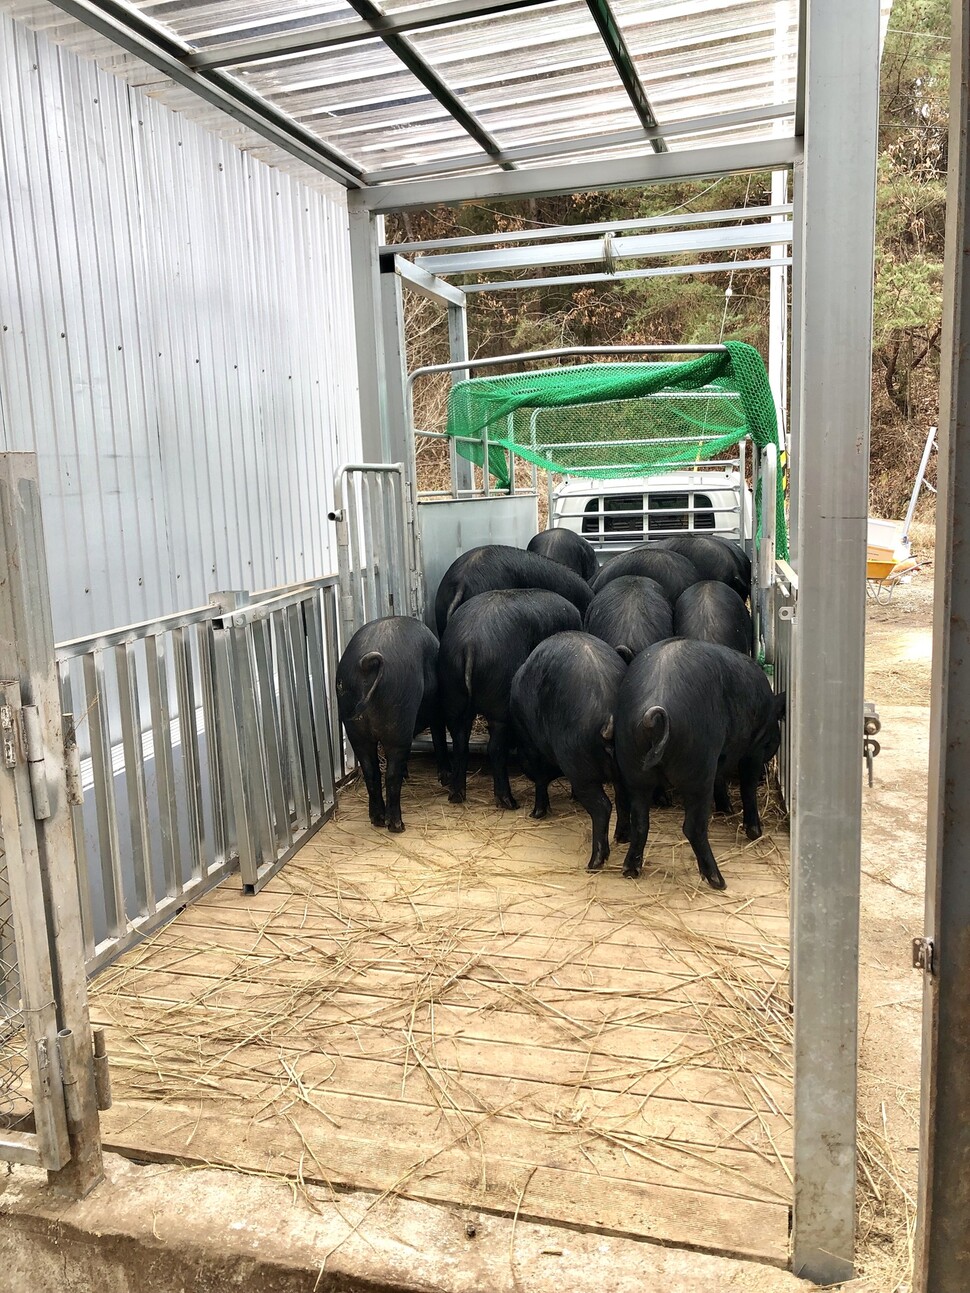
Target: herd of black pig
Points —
{"points": [[637, 674]]}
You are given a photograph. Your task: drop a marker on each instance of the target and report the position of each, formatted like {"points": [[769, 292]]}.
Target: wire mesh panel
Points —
{"points": [[15, 1102]]}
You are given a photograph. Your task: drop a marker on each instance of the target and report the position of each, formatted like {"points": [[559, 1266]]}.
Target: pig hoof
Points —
{"points": [[456, 797], [632, 872], [505, 801], [377, 822], [444, 778], [539, 813], [716, 881], [595, 864], [395, 827], [753, 832]]}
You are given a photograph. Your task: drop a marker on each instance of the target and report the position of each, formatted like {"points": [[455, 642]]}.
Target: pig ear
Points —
{"points": [[781, 701], [624, 653], [606, 731]]}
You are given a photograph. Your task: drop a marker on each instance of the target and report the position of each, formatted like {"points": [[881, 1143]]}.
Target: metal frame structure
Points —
{"points": [[943, 953], [831, 150]]}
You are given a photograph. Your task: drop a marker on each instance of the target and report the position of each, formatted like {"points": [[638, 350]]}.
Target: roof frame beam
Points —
{"points": [[154, 45], [612, 36], [609, 250], [403, 50], [587, 177], [654, 271], [262, 48], [566, 147], [601, 228]]}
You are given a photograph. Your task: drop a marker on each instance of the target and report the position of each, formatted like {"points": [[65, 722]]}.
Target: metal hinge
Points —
{"points": [[924, 955], [8, 736], [34, 742]]}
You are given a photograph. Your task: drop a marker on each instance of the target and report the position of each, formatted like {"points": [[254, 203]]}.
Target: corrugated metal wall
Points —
{"points": [[177, 344]]}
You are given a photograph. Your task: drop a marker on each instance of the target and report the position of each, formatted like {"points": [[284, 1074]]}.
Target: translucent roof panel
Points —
{"points": [[540, 78], [216, 22]]}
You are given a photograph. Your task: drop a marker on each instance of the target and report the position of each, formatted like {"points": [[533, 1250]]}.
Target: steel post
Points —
{"points": [[461, 468], [27, 656], [366, 235], [833, 340], [943, 1232]]}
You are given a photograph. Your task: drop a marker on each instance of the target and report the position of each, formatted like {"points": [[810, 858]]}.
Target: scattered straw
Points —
{"points": [[442, 1013]]}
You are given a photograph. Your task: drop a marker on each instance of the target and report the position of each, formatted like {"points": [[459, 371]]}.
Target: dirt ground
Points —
{"points": [[898, 656]]}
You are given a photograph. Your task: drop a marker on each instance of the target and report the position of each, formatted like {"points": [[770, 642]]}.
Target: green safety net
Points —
{"points": [[620, 419]]}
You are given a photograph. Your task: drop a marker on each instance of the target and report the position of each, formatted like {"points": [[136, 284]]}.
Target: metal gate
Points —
{"points": [[378, 546]]}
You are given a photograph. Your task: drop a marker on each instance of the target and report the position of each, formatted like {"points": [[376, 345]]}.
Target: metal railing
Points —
{"points": [[144, 774], [176, 731], [275, 664], [783, 621]]}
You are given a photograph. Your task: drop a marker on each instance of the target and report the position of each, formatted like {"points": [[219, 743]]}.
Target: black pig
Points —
{"points": [[688, 713], [719, 559], [562, 706], [672, 572], [630, 613], [568, 548], [486, 640], [387, 692], [712, 612], [495, 566]]}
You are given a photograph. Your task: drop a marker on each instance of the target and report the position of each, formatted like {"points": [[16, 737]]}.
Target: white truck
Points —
{"points": [[618, 514]]}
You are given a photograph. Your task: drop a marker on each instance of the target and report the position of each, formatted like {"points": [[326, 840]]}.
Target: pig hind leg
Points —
{"points": [[697, 816], [596, 802], [641, 797], [397, 768], [367, 757], [460, 727], [750, 772], [440, 743], [498, 758]]}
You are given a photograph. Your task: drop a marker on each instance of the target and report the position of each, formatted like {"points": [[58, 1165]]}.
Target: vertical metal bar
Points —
{"points": [[366, 234], [155, 659], [333, 656], [269, 733], [295, 705], [756, 599], [109, 845], [323, 718], [75, 799], [778, 311], [357, 574], [27, 654], [235, 780], [942, 1250], [214, 740], [833, 337], [298, 622], [367, 556], [549, 503], [131, 741], [461, 468], [189, 738], [245, 704]]}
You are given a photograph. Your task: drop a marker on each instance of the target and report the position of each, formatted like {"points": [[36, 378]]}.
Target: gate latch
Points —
{"points": [[924, 955]]}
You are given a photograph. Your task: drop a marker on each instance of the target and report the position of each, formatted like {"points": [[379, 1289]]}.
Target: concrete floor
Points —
{"points": [[161, 1228]]}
